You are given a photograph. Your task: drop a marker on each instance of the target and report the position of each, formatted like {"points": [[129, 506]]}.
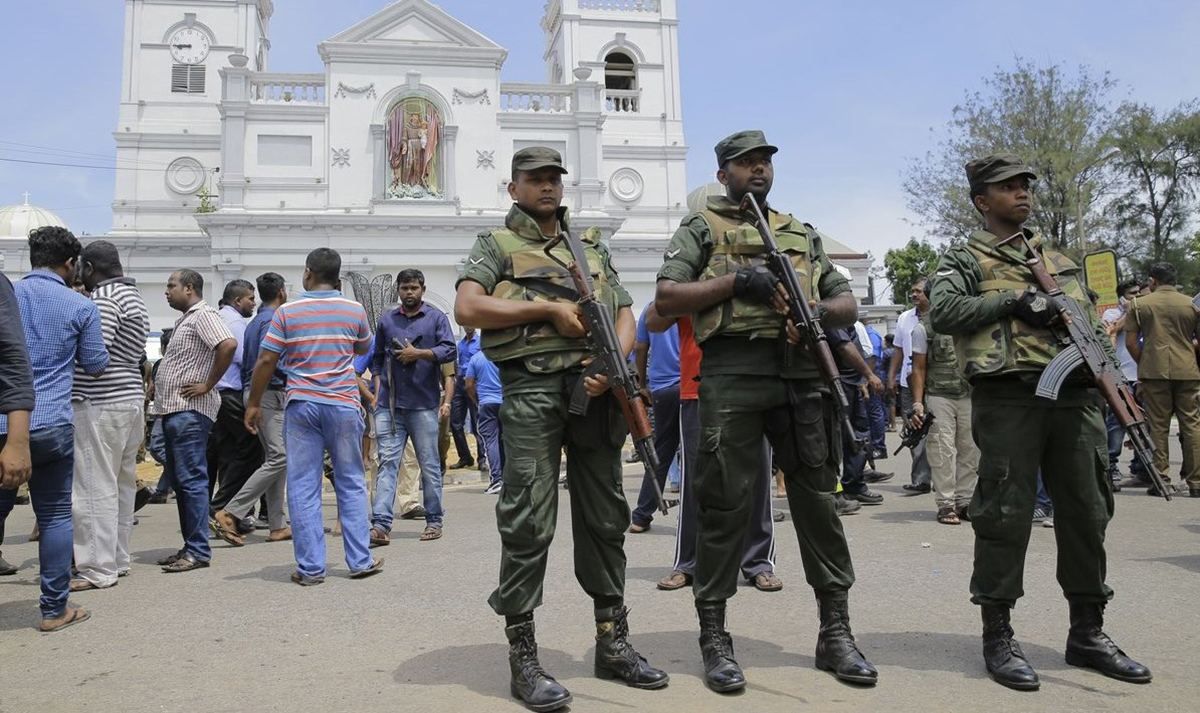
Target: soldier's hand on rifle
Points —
{"points": [[793, 334], [917, 416], [1036, 308], [568, 320], [595, 385], [758, 284]]}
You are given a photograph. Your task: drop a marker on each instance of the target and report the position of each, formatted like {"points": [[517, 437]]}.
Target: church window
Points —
{"points": [[187, 78], [620, 82]]}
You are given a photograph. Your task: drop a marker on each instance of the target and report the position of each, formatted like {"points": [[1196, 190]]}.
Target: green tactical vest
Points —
{"points": [[528, 274], [942, 375], [1011, 345], [737, 244]]}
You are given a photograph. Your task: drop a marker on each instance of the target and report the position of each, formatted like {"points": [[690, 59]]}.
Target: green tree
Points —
{"points": [[902, 267], [1156, 163], [1055, 120]]}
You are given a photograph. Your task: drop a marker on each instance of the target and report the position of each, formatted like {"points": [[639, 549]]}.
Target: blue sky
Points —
{"points": [[849, 90]]}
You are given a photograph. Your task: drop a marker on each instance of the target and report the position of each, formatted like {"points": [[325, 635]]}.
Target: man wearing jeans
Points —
{"points": [[411, 341], [109, 424], [270, 479], [657, 359], [200, 352], [62, 329], [16, 400], [316, 338], [462, 408], [482, 383]]}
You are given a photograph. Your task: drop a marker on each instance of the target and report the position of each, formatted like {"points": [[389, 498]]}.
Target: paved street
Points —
{"points": [[421, 637]]}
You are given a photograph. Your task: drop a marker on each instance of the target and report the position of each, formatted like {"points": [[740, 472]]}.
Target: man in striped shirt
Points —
{"points": [[315, 339], [108, 424], [200, 351]]}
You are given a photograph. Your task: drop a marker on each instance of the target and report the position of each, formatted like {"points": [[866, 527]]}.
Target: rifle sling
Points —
{"points": [[547, 288]]}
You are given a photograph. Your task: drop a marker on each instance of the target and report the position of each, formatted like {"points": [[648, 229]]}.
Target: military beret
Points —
{"points": [[742, 142], [995, 169], [535, 157]]}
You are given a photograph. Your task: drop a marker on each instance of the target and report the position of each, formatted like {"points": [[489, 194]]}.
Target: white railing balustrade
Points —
{"points": [[267, 88], [620, 5], [623, 101], [541, 98]]}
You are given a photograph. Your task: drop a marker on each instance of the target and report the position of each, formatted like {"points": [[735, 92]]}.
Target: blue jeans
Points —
{"points": [[187, 444], [158, 451], [854, 462], [310, 429], [489, 434], [1042, 499], [877, 412], [52, 452], [422, 426]]}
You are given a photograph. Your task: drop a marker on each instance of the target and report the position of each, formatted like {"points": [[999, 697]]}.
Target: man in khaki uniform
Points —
{"points": [[1168, 377]]}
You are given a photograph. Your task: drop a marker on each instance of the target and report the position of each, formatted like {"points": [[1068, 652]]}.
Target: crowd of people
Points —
{"points": [[256, 402]]}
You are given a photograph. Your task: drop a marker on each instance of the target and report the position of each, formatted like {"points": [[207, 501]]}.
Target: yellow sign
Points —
{"points": [[1100, 273]]}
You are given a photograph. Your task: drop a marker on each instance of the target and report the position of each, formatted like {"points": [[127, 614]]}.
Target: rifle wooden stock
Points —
{"points": [[609, 360]]}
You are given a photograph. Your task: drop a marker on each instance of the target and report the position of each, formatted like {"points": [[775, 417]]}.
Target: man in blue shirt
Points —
{"points": [[482, 384], [875, 407], [657, 359], [270, 479], [233, 452], [411, 342], [462, 407], [62, 329]]}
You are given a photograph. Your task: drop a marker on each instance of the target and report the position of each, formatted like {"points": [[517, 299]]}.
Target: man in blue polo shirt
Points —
{"points": [[657, 359], [482, 382]]}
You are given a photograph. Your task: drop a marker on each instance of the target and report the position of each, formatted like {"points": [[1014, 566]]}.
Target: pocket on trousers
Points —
{"points": [[809, 428], [994, 469], [520, 472], [1103, 481]]}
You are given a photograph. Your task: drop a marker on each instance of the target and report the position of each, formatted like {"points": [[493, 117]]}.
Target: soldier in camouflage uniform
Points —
{"points": [[754, 382], [985, 296], [532, 329]]}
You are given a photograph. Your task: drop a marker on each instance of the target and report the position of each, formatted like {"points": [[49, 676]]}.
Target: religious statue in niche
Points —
{"points": [[414, 150]]}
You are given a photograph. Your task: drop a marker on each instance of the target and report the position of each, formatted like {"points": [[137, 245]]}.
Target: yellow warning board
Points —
{"points": [[1100, 273]]}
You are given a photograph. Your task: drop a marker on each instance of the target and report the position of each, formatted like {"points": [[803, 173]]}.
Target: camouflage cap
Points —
{"points": [[996, 168], [742, 142], [535, 157]]}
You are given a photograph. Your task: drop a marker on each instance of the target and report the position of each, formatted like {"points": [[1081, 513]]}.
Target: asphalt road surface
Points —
{"points": [[420, 636]]}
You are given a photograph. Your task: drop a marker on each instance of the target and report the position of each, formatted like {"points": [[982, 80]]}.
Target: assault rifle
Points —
{"points": [[608, 359], [910, 437], [802, 316], [1081, 346]]}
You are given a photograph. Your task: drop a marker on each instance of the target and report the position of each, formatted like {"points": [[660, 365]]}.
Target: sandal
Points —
{"points": [[83, 585], [767, 582], [431, 533], [375, 568], [169, 559], [185, 563], [73, 615], [947, 516], [637, 529], [379, 538]]}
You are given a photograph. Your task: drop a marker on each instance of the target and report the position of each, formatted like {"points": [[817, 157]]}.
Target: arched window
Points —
{"points": [[620, 82]]}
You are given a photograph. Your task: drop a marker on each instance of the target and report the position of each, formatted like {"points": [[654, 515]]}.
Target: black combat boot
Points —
{"points": [[530, 683], [615, 656], [721, 672], [836, 650], [1002, 654], [1089, 646]]}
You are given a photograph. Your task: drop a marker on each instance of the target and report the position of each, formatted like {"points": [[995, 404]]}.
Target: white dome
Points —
{"points": [[17, 220]]}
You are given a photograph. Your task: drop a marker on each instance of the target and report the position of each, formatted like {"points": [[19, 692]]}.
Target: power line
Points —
{"points": [[80, 165], [63, 152]]}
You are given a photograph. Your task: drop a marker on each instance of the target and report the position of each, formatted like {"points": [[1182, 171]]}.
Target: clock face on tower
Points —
{"points": [[189, 45]]}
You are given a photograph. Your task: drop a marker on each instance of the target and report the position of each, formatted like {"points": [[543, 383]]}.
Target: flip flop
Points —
{"points": [[431, 533], [72, 616], [375, 568]]}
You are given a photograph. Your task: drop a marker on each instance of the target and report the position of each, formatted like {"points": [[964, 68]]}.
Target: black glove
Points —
{"points": [[1036, 308], [755, 283]]}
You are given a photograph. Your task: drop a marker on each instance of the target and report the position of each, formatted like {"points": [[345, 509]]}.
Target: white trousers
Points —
{"points": [[107, 437]]}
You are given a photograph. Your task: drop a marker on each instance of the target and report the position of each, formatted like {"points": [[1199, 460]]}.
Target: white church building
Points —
{"points": [[397, 153]]}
